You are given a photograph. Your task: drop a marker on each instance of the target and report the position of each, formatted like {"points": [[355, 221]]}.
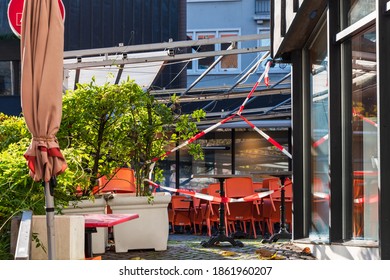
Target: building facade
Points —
{"points": [[235, 148], [215, 19], [92, 24], [340, 122]]}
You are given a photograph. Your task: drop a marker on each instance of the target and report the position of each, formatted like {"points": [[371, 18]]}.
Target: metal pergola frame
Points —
{"points": [[123, 55]]}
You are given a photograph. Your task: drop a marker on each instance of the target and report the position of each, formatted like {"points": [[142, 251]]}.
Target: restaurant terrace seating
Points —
{"points": [[240, 213], [256, 216], [180, 215]]}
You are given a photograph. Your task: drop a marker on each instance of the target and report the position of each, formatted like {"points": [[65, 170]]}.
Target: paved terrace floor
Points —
{"points": [[187, 246]]}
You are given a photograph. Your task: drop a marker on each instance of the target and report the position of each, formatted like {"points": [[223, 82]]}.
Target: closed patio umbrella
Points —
{"points": [[42, 43]]}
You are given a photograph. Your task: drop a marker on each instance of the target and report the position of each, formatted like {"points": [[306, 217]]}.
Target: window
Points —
{"points": [[5, 78], [254, 153], [204, 63], [364, 136], [279, 67], [262, 7], [359, 93], [189, 65], [227, 63], [9, 77], [319, 107], [263, 43], [358, 9]]}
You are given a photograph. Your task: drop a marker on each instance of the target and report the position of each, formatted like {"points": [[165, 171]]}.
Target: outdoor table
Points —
{"points": [[220, 236], [283, 232], [92, 221]]}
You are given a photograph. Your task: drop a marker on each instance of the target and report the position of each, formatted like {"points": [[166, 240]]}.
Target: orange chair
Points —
{"points": [[180, 211], [122, 181], [198, 212], [267, 210], [258, 211], [240, 212]]}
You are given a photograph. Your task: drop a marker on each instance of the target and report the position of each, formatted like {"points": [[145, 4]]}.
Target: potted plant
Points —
{"points": [[118, 125]]}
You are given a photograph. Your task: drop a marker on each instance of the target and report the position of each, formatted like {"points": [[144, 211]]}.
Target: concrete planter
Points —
{"points": [[150, 230], [69, 237], [96, 206]]}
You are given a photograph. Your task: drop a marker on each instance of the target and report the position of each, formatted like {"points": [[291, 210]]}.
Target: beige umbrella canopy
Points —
{"points": [[42, 44]]}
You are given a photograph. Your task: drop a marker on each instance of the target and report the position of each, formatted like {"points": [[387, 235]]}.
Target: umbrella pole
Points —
{"points": [[49, 198]]}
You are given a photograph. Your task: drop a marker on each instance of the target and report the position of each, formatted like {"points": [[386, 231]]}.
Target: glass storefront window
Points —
{"points": [[252, 153], [364, 136], [217, 158], [255, 153], [358, 9], [319, 134]]}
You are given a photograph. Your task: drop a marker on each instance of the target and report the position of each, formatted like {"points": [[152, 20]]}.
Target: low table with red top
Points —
{"points": [[92, 221]]}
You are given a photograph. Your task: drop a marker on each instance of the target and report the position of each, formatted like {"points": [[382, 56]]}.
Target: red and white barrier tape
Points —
{"points": [[367, 120], [321, 195], [320, 141], [213, 198], [202, 133], [370, 200], [254, 87], [197, 136], [267, 137], [355, 114]]}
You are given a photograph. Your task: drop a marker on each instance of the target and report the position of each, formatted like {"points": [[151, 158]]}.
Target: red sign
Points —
{"points": [[15, 11]]}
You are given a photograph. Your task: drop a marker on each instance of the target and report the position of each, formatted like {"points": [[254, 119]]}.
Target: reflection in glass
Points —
{"points": [[255, 153], [364, 137], [319, 134], [252, 153], [217, 158], [358, 9]]}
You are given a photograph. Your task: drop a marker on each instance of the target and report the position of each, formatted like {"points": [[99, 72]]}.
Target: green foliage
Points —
{"points": [[18, 191], [121, 125], [102, 128], [37, 241], [12, 129]]}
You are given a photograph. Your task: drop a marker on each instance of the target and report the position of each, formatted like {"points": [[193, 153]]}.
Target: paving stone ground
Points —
{"points": [[187, 247]]}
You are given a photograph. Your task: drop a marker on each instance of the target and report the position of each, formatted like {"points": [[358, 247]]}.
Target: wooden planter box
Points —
{"points": [[69, 237]]}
